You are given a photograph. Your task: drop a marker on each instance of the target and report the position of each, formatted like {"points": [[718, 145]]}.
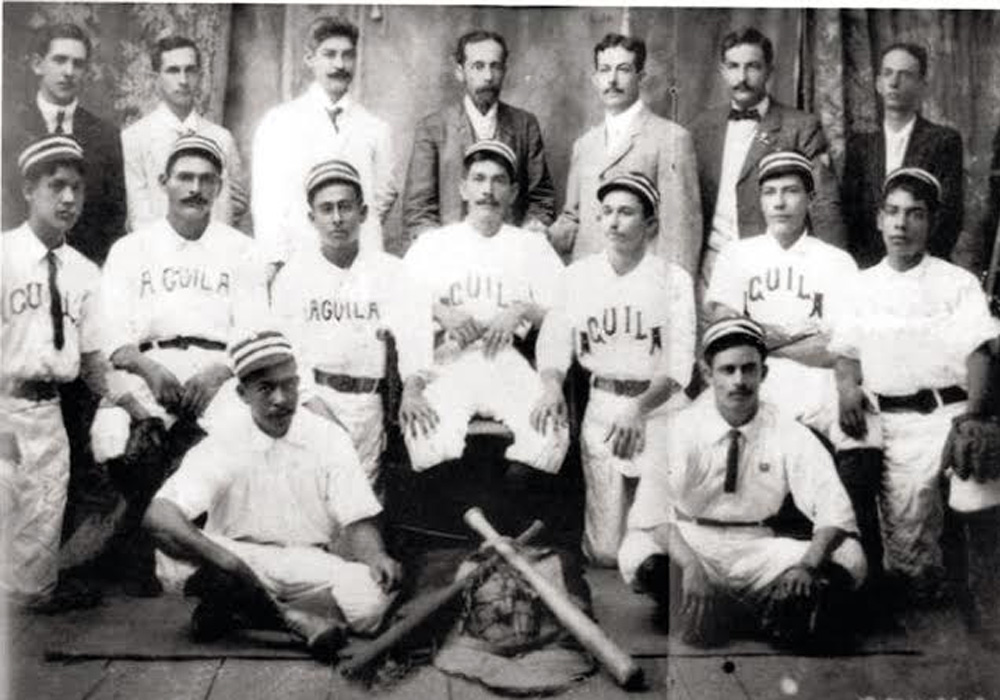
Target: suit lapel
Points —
{"points": [[715, 138], [915, 146], [505, 126], [463, 128], [763, 139], [614, 157]]}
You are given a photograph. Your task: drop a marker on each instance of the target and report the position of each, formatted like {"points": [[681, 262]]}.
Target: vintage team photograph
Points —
{"points": [[469, 351]]}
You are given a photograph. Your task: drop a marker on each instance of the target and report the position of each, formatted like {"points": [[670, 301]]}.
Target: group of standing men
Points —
{"points": [[189, 318]]}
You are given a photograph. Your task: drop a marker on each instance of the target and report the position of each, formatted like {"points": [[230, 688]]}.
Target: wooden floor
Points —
{"points": [[942, 662]]}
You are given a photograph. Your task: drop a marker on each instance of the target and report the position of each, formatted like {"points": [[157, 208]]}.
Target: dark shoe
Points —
{"points": [[210, 623], [70, 594], [324, 646], [142, 587]]}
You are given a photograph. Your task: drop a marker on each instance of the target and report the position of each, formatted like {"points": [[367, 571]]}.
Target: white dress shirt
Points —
{"points": [[295, 136], [484, 126], [617, 127], [146, 145], [50, 113], [895, 144]]}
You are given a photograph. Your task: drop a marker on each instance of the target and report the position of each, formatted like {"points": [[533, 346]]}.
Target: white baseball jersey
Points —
{"points": [[638, 325], [29, 350], [158, 285], [799, 289], [483, 275], [336, 318]]}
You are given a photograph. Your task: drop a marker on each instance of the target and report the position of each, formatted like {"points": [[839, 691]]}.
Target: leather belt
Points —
{"points": [[347, 384], [38, 390], [182, 342], [924, 401], [621, 387], [712, 522]]}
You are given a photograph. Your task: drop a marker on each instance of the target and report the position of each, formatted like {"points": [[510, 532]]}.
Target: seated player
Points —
{"points": [[282, 488], [797, 286], [51, 334], [628, 318], [169, 290], [490, 283], [338, 303], [920, 336], [700, 512]]}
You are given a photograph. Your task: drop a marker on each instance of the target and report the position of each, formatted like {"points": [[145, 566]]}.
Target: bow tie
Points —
{"points": [[736, 115]]}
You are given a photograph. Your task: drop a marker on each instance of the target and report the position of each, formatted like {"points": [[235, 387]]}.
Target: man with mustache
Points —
{"points": [[731, 140], [323, 123], [631, 139], [798, 287], [281, 489], [905, 138], [170, 290], [60, 59], [431, 197], [701, 512], [51, 335], [490, 284], [339, 303], [922, 337], [176, 63]]}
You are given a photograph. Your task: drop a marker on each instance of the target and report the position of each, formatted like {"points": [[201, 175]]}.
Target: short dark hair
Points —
{"points": [[915, 50], [629, 43], [919, 190], [311, 194], [197, 152], [648, 211], [45, 168], [326, 27], [490, 156], [478, 36], [65, 30], [747, 35], [172, 43]]}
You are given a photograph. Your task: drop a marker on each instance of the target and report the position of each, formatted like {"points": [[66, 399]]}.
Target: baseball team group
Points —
{"points": [[752, 332]]}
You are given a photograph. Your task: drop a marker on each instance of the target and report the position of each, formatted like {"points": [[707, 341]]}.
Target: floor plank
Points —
{"points": [[36, 679], [708, 678], [156, 680], [249, 679]]}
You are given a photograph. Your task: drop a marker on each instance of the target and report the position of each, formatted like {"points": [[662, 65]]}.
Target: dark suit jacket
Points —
{"points": [[782, 128], [431, 198], [937, 149], [102, 221]]}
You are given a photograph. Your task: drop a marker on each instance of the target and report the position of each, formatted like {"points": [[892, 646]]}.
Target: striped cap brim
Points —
{"points": [[258, 351], [637, 183], [49, 149], [498, 149], [737, 326], [198, 144], [332, 171], [914, 174], [785, 163]]}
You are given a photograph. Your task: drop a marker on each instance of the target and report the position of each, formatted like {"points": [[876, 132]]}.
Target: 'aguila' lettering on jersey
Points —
{"points": [[337, 310], [778, 281], [33, 297], [476, 286], [174, 279], [618, 323]]}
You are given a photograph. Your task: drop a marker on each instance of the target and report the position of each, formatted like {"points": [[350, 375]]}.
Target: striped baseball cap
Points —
{"points": [[728, 330], [637, 183], [786, 163], [332, 171], [929, 185], [496, 149], [258, 351], [196, 143], [47, 150]]}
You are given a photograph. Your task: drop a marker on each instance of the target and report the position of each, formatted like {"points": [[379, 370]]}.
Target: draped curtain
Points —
{"points": [[825, 63]]}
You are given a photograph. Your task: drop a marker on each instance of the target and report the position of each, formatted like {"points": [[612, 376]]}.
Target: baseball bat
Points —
{"points": [[626, 672], [423, 609]]}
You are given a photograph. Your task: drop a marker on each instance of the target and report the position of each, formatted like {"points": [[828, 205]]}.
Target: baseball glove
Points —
{"points": [[973, 448]]}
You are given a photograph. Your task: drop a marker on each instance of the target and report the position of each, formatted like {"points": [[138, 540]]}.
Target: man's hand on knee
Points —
{"points": [[200, 389], [386, 571]]}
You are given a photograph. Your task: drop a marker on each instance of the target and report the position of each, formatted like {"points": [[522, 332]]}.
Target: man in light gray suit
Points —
{"points": [[631, 139]]}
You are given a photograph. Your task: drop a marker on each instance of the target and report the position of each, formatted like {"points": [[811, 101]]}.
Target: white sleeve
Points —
{"points": [[349, 495], [139, 191], [655, 500], [202, 476], [250, 306], [411, 320], [547, 266], [119, 298], [679, 352], [726, 287], [554, 348], [812, 478], [843, 276], [971, 323]]}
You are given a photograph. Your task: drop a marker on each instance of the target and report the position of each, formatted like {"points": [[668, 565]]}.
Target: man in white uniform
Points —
{"points": [[324, 122], [628, 317], [797, 286], [920, 336], [490, 283], [730, 462], [282, 488], [169, 291], [51, 334], [338, 302]]}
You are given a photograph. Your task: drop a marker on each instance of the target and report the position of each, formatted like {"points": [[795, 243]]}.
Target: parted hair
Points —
{"points": [[475, 37], [747, 35], [915, 50], [326, 27], [172, 43], [65, 30], [629, 43]]}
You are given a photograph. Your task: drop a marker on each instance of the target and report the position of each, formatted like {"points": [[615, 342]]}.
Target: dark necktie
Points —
{"points": [[732, 461], [736, 115], [334, 114], [55, 302], [60, 118]]}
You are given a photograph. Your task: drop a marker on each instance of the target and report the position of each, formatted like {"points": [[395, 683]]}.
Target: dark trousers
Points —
{"points": [[978, 536], [861, 473]]}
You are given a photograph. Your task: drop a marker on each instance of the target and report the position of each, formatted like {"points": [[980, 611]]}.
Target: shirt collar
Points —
{"points": [[474, 113], [260, 441], [623, 121], [37, 250], [715, 428], [762, 107], [180, 241], [50, 111], [190, 124], [916, 270], [903, 133], [319, 96], [798, 246]]}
